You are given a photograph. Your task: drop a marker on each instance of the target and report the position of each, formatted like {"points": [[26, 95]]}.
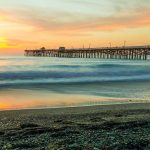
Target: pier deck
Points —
{"points": [[137, 53]]}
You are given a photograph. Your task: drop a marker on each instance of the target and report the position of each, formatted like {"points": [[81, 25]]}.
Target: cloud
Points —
{"points": [[63, 22], [14, 43]]}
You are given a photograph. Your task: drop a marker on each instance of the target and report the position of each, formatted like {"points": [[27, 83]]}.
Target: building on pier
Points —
{"points": [[62, 48]]}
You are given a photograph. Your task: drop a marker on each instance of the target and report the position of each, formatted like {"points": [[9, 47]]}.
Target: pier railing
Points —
{"points": [[134, 52]]}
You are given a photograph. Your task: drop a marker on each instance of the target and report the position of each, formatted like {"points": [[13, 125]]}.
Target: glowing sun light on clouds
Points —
{"points": [[4, 43]]}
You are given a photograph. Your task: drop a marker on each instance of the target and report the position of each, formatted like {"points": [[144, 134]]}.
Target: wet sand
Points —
{"points": [[122, 126]]}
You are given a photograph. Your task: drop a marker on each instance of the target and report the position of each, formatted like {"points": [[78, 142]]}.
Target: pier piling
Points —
{"points": [[130, 53]]}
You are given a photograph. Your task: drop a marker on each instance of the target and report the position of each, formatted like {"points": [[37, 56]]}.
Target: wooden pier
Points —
{"points": [[131, 53]]}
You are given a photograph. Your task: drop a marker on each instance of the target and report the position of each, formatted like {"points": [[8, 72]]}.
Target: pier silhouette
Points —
{"points": [[129, 52]]}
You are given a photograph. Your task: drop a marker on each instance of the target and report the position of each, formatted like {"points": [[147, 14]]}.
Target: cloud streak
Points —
{"points": [[56, 24]]}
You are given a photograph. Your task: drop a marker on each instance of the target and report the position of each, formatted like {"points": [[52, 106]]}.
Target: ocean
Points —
{"points": [[43, 82]]}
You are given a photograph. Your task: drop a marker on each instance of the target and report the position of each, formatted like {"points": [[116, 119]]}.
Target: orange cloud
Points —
{"points": [[4, 44], [55, 25], [12, 45]]}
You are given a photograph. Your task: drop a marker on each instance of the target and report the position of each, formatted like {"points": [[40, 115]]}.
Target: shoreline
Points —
{"points": [[78, 106]]}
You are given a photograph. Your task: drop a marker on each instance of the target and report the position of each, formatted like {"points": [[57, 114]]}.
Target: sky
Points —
{"points": [[31, 24]]}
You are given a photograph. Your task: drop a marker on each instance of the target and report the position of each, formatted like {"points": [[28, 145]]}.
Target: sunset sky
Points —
{"points": [[72, 23]]}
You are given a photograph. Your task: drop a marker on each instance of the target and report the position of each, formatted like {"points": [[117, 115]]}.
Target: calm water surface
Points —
{"points": [[35, 82]]}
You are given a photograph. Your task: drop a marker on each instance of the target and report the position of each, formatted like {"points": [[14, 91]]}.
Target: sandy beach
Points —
{"points": [[122, 126]]}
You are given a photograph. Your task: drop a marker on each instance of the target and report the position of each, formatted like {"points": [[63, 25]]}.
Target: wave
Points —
{"points": [[52, 71], [93, 66], [75, 81], [25, 75]]}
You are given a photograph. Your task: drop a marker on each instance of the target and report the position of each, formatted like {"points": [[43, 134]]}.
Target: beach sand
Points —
{"points": [[122, 126]]}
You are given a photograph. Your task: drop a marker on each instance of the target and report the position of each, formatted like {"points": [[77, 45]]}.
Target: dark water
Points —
{"points": [[27, 82]]}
